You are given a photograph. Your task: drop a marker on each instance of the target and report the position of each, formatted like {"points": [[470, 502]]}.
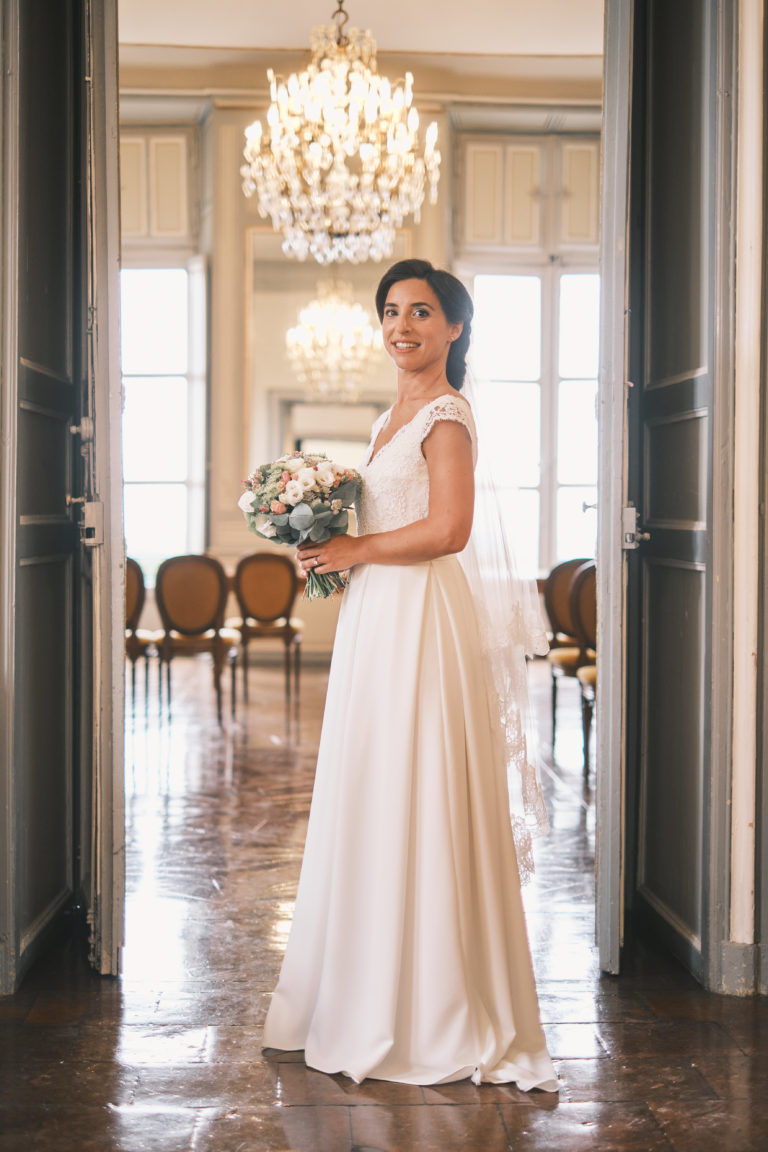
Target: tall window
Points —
{"points": [[164, 417], [535, 351]]}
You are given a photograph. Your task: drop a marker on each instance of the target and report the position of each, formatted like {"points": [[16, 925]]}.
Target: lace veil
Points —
{"points": [[511, 629]]}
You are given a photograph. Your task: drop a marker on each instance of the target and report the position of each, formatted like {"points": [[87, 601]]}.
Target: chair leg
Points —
{"points": [[146, 683], [245, 669], [233, 678], [554, 709], [287, 661], [133, 688], [168, 685], [587, 709], [296, 672], [217, 685]]}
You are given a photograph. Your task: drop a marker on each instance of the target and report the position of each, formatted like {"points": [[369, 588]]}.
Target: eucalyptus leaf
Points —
{"points": [[340, 522], [319, 533], [346, 492], [279, 518], [323, 518], [302, 517]]}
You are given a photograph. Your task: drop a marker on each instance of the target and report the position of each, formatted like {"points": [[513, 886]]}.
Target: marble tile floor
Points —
{"points": [[167, 1058]]}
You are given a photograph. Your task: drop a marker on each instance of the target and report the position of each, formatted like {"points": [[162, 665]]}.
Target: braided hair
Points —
{"points": [[455, 302]]}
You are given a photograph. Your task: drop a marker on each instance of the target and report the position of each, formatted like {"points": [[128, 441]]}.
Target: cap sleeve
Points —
{"points": [[454, 408]]}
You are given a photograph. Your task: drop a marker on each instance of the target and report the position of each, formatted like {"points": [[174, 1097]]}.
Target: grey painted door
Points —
{"points": [[671, 366], [46, 853]]}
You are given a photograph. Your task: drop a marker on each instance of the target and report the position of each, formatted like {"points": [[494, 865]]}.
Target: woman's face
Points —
{"points": [[416, 333]]}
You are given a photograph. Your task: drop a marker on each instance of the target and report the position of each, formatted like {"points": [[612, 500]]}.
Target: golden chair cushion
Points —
{"points": [[587, 675], [568, 660]]}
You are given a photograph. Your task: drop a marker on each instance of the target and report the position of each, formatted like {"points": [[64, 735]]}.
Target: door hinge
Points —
{"points": [[631, 532]]}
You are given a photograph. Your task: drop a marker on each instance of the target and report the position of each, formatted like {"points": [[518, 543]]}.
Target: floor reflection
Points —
{"points": [[168, 1056]]}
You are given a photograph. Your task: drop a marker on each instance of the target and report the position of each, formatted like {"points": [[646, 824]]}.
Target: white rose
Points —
{"points": [[268, 530], [326, 474], [307, 477], [294, 492], [294, 464], [247, 501]]}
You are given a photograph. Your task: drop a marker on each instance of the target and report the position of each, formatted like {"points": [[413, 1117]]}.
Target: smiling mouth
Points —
{"points": [[402, 346]]}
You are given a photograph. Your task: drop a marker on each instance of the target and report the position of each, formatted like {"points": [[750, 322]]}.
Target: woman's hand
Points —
{"points": [[335, 555]]}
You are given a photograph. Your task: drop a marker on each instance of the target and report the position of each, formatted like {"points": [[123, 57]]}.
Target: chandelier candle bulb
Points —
{"points": [[338, 168]]}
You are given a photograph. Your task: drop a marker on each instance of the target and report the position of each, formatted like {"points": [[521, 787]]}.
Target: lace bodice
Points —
{"points": [[395, 487]]}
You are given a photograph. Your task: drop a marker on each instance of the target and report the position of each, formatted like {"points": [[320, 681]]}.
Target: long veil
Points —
{"points": [[511, 628]]}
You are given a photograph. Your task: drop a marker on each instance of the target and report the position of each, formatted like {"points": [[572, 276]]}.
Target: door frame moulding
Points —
{"points": [[106, 914], [724, 969], [611, 565], [9, 141]]}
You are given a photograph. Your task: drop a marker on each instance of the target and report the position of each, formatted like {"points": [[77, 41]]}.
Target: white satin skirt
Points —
{"points": [[408, 958]]}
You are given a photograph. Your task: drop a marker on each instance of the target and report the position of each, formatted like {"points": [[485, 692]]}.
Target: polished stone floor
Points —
{"points": [[167, 1058]]}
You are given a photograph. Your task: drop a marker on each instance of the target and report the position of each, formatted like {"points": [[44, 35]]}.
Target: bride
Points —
{"points": [[408, 958]]}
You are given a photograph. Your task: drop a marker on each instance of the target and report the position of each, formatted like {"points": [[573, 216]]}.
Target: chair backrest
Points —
{"points": [[557, 592], [584, 605], [266, 584], [134, 593], [191, 594]]}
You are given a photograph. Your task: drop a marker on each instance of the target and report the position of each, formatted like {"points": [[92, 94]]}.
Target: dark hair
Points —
{"points": [[455, 302]]}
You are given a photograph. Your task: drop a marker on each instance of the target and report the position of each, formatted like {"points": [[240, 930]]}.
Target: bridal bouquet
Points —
{"points": [[301, 497]]}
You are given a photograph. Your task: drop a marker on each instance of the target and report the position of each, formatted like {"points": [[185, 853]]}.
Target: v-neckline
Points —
{"points": [[375, 453]]}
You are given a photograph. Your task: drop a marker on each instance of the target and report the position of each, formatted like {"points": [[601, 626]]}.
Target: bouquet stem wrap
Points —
{"points": [[302, 497]]}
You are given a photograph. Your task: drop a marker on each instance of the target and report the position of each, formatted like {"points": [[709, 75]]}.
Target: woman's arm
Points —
{"points": [[444, 530]]}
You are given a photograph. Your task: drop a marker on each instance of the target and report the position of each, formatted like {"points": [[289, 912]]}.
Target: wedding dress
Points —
{"points": [[408, 957]]}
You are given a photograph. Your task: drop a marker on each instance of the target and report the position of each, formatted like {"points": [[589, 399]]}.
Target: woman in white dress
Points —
{"points": [[408, 957]]}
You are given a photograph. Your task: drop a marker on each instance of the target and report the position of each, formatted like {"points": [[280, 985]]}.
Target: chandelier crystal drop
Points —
{"points": [[334, 346], [337, 168]]}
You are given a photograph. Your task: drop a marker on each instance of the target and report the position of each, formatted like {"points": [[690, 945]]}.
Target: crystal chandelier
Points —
{"points": [[337, 169], [334, 346]]}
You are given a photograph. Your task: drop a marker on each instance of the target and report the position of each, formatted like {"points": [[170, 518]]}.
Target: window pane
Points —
{"points": [[520, 511], [579, 324], [154, 321], [155, 524], [506, 330], [155, 428], [576, 529], [508, 427], [577, 432]]}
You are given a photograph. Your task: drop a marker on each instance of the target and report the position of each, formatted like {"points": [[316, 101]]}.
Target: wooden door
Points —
{"points": [[673, 702], [51, 576]]}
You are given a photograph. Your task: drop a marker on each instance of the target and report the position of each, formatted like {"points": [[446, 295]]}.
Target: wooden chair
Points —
{"points": [[584, 616], [266, 585], [191, 594], [566, 655], [139, 642]]}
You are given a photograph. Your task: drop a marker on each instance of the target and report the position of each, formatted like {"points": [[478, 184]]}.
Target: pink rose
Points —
{"points": [[277, 507], [285, 476], [263, 508]]}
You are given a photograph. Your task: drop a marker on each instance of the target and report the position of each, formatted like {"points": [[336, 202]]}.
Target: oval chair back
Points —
{"points": [[191, 594], [265, 586], [135, 593], [557, 591], [583, 606]]}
